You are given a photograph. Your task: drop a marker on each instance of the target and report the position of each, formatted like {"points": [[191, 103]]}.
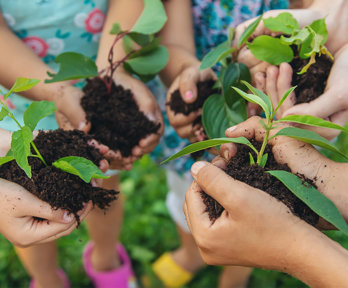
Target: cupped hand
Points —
{"points": [[20, 211], [148, 105], [254, 230], [301, 158], [186, 83]]}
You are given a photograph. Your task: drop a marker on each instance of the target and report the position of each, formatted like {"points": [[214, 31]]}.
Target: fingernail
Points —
{"points": [[231, 129], [252, 112], [68, 217], [189, 95], [82, 125], [151, 117], [226, 155], [197, 166]]}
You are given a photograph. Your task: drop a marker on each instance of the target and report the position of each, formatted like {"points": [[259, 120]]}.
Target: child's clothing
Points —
{"points": [[211, 19], [71, 26]]}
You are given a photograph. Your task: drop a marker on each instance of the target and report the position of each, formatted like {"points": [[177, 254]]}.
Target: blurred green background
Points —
{"points": [[147, 232]]}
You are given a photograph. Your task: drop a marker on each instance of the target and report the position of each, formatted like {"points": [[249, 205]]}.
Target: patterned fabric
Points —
{"points": [[211, 21], [50, 27]]}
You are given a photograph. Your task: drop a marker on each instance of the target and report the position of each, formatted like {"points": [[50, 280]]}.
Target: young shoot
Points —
{"points": [[22, 139], [145, 62]]}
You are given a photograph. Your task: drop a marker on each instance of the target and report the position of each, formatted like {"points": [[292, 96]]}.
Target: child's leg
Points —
{"points": [[104, 229], [234, 277], [41, 263]]}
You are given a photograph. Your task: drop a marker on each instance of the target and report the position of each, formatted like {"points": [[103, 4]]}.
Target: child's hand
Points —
{"points": [[186, 83], [70, 114], [148, 105], [19, 210], [301, 158]]}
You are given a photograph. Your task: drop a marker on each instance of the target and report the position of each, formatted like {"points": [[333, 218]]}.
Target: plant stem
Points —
{"points": [[264, 143], [38, 153]]}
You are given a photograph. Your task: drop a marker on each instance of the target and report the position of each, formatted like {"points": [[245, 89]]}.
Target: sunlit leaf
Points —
{"points": [[264, 160], [6, 159], [251, 159], [36, 111], [152, 19], [286, 95], [312, 121], [215, 55], [248, 31], [127, 44], [321, 205], [22, 84], [116, 28], [208, 144], [3, 113], [73, 66], [297, 39], [284, 22], [262, 95], [271, 50], [320, 28], [81, 167]]}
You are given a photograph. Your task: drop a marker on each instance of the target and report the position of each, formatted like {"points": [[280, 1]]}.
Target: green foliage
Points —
{"points": [[217, 54], [3, 113], [73, 66], [21, 84], [284, 22], [36, 111], [116, 28], [271, 50], [248, 31], [152, 19], [79, 166], [321, 205]]}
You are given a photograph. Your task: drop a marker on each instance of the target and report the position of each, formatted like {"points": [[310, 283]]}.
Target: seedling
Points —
{"points": [[309, 41], [145, 62], [22, 139], [308, 194]]}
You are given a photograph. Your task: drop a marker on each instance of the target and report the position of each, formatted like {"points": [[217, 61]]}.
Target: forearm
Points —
{"points": [[5, 143], [126, 13], [18, 60]]}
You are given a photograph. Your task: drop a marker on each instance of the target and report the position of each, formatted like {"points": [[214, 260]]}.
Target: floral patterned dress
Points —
{"points": [[50, 27], [211, 20]]}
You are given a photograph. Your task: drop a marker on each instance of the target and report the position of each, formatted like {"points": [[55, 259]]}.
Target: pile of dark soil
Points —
{"points": [[240, 169], [116, 119], [54, 186], [177, 104], [311, 84]]}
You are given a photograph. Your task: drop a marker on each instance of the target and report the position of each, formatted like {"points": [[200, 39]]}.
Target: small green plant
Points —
{"points": [[308, 194], [309, 41], [145, 62], [22, 142]]}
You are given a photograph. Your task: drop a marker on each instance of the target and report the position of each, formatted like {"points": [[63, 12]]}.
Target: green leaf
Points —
{"points": [[312, 121], [286, 95], [306, 46], [36, 111], [254, 99], [140, 39], [3, 113], [6, 159], [321, 205], [116, 28], [262, 95], [214, 56], [297, 39], [127, 44], [146, 49], [150, 63], [208, 144], [233, 75], [22, 84], [308, 137], [319, 27], [252, 161], [73, 66], [231, 34], [248, 31], [284, 23], [264, 160], [81, 167], [152, 19], [20, 146], [217, 116], [271, 50]]}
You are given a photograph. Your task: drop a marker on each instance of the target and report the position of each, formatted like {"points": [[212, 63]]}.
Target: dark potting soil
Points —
{"points": [[177, 104], [311, 84], [116, 119], [240, 169], [54, 186]]}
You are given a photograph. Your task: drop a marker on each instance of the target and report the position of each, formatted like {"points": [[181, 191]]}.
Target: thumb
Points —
{"points": [[220, 186], [188, 85]]}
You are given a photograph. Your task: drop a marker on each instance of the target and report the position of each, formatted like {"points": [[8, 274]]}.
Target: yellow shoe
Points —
{"points": [[170, 273]]}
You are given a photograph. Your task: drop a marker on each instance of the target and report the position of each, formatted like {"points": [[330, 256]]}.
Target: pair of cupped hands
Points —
{"points": [[332, 105]]}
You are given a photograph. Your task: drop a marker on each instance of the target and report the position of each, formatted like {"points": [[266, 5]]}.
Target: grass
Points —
{"points": [[147, 232]]}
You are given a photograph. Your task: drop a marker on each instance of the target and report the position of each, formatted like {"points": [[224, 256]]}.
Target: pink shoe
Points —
{"points": [[61, 275], [122, 277]]}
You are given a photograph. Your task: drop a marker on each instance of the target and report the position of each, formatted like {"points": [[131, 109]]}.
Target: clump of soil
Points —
{"points": [[116, 119], [255, 176], [311, 84], [54, 186]]}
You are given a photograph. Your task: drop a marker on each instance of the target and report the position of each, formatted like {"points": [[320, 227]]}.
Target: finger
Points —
{"points": [[227, 151], [177, 120], [260, 81], [188, 85], [253, 109], [104, 165], [103, 149], [246, 57], [244, 129], [271, 84], [284, 84], [261, 67], [220, 162], [186, 131]]}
